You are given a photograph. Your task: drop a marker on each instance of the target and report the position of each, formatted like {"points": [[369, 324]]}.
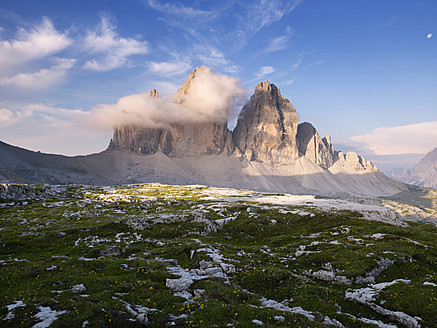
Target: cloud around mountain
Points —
{"points": [[209, 96]]}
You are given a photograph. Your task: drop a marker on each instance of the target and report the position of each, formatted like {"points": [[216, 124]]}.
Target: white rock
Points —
{"points": [[79, 288]]}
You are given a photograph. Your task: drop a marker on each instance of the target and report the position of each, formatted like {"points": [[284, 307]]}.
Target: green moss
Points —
{"points": [[48, 247]]}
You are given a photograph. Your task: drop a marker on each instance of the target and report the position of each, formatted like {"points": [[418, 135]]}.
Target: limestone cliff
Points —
{"points": [[267, 131], [176, 140], [267, 126], [319, 151]]}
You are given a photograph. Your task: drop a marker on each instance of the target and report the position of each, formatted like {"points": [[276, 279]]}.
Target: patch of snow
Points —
{"points": [[258, 322], [367, 296], [47, 315], [383, 285], [87, 258], [430, 284], [357, 240], [378, 323], [12, 307], [377, 236], [283, 307], [332, 322], [80, 288]]}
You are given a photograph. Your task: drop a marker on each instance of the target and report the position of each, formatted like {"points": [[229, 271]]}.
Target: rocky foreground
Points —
{"points": [[191, 256]]}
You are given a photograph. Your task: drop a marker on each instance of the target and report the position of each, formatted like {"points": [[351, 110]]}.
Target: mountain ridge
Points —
{"points": [[268, 150], [423, 174]]}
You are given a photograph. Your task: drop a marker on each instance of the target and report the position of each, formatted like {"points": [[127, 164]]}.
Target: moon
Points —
{"points": [[429, 36]]}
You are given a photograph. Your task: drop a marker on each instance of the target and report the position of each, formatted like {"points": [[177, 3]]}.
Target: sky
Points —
{"points": [[364, 72]]}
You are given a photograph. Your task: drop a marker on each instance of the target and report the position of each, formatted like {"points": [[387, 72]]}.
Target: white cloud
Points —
{"points": [[42, 78], [279, 43], [265, 70], [290, 82], [266, 12], [178, 10], [36, 43], [5, 116], [211, 97], [405, 139], [209, 55], [112, 48], [226, 26], [232, 69], [169, 68], [51, 129]]}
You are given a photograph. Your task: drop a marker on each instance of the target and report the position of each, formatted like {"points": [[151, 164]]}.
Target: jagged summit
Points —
{"points": [[267, 126], [153, 93], [266, 86], [177, 139], [185, 88]]}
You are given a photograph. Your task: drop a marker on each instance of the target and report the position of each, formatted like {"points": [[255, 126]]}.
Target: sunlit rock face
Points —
{"points": [[267, 131], [267, 126], [319, 151]]}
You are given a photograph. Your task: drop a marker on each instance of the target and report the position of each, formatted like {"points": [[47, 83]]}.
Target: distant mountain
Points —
{"points": [[424, 173], [268, 150]]}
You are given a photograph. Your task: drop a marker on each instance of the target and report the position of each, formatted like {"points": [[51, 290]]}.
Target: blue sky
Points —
{"points": [[364, 72]]}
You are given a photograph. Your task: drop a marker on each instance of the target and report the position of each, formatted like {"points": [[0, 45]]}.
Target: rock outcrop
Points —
{"points": [[424, 173], [267, 126], [351, 163], [319, 151], [176, 140]]}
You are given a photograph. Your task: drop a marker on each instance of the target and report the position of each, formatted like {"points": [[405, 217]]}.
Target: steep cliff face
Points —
{"points": [[200, 138], [267, 132], [319, 151], [137, 138], [176, 140], [267, 126]]}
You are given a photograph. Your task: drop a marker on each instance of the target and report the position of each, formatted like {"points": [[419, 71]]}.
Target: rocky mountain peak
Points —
{"points": [[185, 88], [266, 86], [153, 93], [175, 140], [267, 126]]}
